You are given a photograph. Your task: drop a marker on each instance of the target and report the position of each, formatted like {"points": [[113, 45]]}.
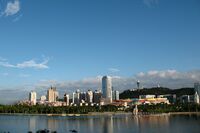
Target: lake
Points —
{"points": [[102, 124]]}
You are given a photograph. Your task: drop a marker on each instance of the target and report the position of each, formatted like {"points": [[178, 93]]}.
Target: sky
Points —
{"points": [[71, 44]]}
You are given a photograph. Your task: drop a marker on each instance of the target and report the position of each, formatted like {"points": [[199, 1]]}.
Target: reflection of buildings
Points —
{"points": [[52, 124], [32, 123], [91, 125], [143, 124], [108, 125]]}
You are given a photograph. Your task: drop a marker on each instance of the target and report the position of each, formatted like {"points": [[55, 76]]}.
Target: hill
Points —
{"points": [[156, 91]]}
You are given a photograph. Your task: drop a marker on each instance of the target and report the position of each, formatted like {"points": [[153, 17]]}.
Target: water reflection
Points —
{"points": [[102, 124], [107, 124], [52, 124], [32, 123], [148, 123], [91, 124]]}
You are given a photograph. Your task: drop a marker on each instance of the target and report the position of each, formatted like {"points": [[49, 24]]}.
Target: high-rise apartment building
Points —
{"points": [[52, 94], [89, 96], [83, 97], [97, 95], [115, 95], [66, 99], [76, 97], [33, 97], [107, 88]]}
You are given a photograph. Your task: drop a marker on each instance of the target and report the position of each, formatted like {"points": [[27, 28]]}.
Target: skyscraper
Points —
{"points": [[138, 84], [89, 96], [197, 92], [76, 97], [83, 97], [66, 99], [115, 95], [97, 96], [33, 97], [52, 94], [107, 88]]}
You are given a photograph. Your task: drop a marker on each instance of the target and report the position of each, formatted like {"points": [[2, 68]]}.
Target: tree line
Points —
{"points": [[156, 91], [41, 109]]}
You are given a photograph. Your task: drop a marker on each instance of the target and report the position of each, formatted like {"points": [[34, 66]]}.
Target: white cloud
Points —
{"points": [[27, 64], [169, 78], [166, 78], [33, 64], [156, 73], [12, 8], [113, 70], [150, 3]]}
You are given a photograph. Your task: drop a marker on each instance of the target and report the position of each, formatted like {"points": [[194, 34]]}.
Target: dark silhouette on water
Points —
{"points": [[73, 131], [43, 131]]}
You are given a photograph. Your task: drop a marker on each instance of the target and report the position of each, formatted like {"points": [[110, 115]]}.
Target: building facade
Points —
{"points": [[115, 95], [66, 99], [76, 97], [52, 94], [197, 92], [89, 96], [107, 88], [97, 95], [43, 98], [33, 97]]}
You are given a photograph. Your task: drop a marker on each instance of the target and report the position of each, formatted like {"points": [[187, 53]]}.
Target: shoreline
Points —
{"points": [[103, 114], [76, 115]]}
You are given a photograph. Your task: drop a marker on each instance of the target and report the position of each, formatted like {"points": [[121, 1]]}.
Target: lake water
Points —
{"points": [[102, 124]]}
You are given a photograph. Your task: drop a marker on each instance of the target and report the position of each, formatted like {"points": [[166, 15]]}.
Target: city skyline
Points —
{"points": [[72, 44]]}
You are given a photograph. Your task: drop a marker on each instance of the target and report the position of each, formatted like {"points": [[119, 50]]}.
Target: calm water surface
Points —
{"points": [[102, 124]]}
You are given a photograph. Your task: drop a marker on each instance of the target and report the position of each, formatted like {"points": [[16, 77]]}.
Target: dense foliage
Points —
{"points": [[159, 108], [166, 108], [55, 110], [156, 91]]}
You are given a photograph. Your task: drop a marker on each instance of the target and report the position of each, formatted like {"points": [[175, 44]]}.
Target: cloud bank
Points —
{"points": [[166, 78], [12, 8], [150, 3], [26, 64]]}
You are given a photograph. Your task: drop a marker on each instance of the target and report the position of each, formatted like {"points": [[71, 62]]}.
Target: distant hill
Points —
{"points": [[156, 91]]}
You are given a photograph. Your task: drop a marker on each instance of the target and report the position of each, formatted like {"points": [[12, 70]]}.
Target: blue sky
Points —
{"points": [[74, 40]]}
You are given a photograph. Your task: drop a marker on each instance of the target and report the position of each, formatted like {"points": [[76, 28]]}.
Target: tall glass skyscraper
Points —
{"points": [[197, 88], [197, 92], [107, 88]]}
